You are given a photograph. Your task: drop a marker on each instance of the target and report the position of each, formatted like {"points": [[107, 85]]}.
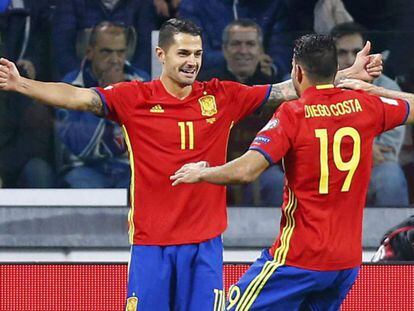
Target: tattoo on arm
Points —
{"points": [[281, 92], [95, 105]]}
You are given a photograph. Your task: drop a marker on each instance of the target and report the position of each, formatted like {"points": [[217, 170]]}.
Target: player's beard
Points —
{"points": [[187, 79]]}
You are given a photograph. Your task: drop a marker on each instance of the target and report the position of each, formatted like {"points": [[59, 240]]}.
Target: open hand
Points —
{"points": [[355, 84], [189, 173]]}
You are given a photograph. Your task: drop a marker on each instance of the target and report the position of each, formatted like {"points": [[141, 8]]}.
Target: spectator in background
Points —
{"points": [[166, 9], [388, 185], [25, 25], [243, 49], [73, 19], [26, 129], [328, 14], [391, 23], [318, 16], [95, 153], [213, 16]]}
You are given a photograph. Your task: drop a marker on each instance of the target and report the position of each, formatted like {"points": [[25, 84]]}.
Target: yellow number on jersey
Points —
{"points": [[219, 300], [349, 166], [190, 126], [234, 296]]}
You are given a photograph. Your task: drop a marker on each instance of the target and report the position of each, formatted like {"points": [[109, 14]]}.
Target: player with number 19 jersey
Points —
{"points": [[325, 139], [163, 133]]}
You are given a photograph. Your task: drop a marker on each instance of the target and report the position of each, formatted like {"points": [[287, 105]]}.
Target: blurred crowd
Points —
{"points": [[100, 42]]}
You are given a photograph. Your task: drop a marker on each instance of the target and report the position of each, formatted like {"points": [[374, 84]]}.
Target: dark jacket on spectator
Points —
{"points": [[24, 26], [72, 16], [87, 138], [26, 128]]}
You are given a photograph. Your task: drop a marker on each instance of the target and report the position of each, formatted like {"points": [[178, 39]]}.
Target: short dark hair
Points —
{"points": [[175, 26], [243, 22], [317, 54], [347, 29]]}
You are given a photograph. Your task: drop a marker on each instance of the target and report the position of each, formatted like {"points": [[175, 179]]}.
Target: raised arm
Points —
{"points": [[60, 95], [244, 169], [366, 67]]}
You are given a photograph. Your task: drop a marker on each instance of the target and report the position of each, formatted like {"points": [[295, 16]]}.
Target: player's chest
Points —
{"points": [[190, 125]]}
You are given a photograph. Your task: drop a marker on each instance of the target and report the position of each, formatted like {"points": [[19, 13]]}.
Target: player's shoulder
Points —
{"points": [[346, 96], [216, 85], [140, 88], [294, 106], [346, 93]]}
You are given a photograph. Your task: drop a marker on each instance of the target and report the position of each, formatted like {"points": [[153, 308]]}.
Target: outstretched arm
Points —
{"points": [[60, 95], [244, 169], [366, 67], [281, 92], [380, 91]]}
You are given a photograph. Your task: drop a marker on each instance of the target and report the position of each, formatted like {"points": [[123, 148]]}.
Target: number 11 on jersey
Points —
{"points": [[186, 129], [349, 166]]}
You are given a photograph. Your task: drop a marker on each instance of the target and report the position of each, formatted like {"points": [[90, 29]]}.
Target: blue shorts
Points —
{"points": [[185, 277], [266, 285]]}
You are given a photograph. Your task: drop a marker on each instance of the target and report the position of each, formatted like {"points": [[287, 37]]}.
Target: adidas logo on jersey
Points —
{"points": [[157, 109]]}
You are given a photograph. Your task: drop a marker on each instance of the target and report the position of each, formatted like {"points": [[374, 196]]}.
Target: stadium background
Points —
{"points": [[65, 249]]}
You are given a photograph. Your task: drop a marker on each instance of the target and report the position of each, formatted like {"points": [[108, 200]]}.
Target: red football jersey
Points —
{"points": [[325, 139], [163, 133]]}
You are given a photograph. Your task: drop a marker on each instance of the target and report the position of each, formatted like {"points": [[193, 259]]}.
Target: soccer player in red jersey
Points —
{"points": [[175, 232], [325, 140]]}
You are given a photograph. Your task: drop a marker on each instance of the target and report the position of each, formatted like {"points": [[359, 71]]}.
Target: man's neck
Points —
{"points": [[175, 89], [307, 84]]}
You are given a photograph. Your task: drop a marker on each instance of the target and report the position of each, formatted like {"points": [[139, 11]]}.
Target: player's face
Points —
{"points": [[243, 50], [108, 57], [182, 60], [347, 47]]}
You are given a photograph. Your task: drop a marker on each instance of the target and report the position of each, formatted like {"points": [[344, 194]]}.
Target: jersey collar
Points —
{"points": [[164, 93], [320, 89]]}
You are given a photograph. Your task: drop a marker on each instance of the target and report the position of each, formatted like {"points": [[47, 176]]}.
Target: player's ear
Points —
{"points": [[299, 73], [160, 54]]}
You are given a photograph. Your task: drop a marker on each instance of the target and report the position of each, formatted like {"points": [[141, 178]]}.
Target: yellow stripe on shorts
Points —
{"points": [[254, 288]]}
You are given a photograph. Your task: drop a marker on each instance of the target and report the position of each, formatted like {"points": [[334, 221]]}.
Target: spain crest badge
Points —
{"points": [[208, 105], [132, 304]]}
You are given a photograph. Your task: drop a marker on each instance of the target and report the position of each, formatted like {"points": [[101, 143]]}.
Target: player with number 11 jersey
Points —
{"points": [[165, 133]]}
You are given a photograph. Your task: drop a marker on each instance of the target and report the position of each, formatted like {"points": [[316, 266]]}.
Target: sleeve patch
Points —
{"points": [[389, 101], [261, 140], [271, 124]]}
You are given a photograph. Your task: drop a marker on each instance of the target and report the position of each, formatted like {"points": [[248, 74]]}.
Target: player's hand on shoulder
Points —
{"points": [[355, 84], [189, 173]]}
